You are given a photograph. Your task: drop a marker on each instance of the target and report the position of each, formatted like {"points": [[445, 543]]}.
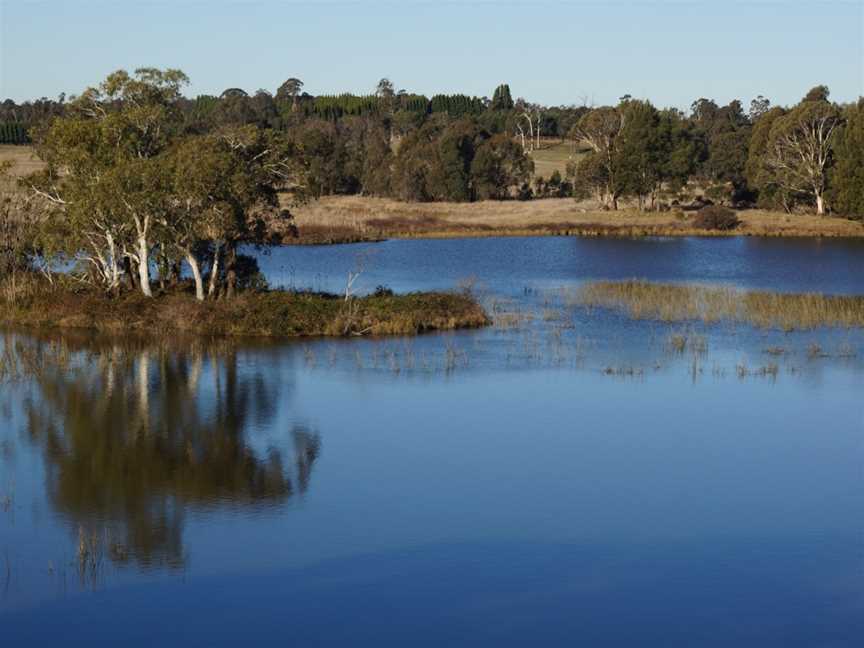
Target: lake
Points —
{"points": [[565, 476]]}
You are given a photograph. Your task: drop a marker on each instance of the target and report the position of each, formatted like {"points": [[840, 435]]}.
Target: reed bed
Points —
{"points": [[712, 304]]}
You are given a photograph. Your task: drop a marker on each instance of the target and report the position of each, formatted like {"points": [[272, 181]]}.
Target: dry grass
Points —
{"points": [[23, 159], [270, 314], [711, 304], [350, 218], [553, 155], [23, 162]]}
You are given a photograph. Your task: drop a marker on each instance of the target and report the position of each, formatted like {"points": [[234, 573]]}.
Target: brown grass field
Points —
{"points": [[336, 219], [23, 162], [553, 155], [354, 218]]}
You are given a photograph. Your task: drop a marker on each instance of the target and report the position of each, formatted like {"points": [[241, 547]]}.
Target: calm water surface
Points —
{"points": [[560, 478]]}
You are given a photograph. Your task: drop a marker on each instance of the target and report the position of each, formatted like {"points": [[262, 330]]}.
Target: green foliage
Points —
{"points": [[725, 135], [457, 105], [499, 167], [501, 98], [800, 150], [847, 177], [758, 175], [818, 93], [14, 133]]}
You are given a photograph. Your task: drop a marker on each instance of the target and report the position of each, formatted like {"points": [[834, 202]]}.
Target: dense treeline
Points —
{"points": [[13, 133], [461, 148]]}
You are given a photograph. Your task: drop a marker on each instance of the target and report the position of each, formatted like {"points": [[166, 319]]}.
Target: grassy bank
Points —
{"points": [[274, 313], [339, 219], [709, 304]]}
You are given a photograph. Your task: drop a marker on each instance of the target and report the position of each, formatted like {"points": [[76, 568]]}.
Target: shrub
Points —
{"points": [[715, 217], [249, 275]]}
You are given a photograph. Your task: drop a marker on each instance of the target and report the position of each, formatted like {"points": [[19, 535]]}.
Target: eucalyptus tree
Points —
{"points": [[801, 146], [290, 90], [600, 130], [758, 107], [102, 180], [385, 89]]}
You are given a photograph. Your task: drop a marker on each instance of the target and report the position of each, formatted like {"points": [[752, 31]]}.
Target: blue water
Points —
{"points": [[567, 481], [798, 265]]}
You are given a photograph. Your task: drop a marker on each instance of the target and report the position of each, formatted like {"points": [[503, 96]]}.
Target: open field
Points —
{"points": [[347, 218], [553, 156], [22, 159]]}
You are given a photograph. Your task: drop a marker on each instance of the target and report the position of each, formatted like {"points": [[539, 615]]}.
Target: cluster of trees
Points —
{"points": [[17, 119], [13, 133], [126, 189], [634, 150], [809, 155], [442, 159]]}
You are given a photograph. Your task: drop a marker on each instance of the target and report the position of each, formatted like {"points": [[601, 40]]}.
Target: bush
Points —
{"points": [[249, 275], [383, 291], [715, 217]]}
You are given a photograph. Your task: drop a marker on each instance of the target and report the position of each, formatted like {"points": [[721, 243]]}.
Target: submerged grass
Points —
{"points": [[711, 304], [272, 313]]}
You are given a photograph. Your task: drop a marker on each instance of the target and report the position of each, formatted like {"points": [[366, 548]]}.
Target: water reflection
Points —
{"points": [[136, 435]]}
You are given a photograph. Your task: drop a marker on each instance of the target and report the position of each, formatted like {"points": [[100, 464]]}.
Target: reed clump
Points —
{"points": [[712, 304]]}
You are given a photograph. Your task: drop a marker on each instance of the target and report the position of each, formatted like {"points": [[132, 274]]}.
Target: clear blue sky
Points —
{"points": [[671, 52]]}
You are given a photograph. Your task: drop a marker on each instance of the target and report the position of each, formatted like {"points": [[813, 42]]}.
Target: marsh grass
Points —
{"points": [[679, 342], [712, 304], [273, 313]]}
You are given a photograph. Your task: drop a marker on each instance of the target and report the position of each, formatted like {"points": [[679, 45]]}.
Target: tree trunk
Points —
{"points": [[144, 266], [196, 275], [820, 203], [231, 270], [174, 274], [214, 271], [130, 273], [538, 131], [114, 281]]}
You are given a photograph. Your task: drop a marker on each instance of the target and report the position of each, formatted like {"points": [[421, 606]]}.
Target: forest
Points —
{"points": [[396, 144]]}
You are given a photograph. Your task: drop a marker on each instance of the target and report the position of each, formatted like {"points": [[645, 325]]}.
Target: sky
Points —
{"points": [[551, 52]]}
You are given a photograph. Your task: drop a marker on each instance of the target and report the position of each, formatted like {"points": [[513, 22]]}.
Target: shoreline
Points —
{"points": [[271, 314], [352, 219]]}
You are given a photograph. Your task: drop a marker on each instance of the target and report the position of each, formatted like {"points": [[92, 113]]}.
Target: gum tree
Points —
{"points": [[103, 180], [801, 143]]}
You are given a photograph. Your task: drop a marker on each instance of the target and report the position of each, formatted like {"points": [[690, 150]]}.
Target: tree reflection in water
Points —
{"points": [[135, 435]]}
